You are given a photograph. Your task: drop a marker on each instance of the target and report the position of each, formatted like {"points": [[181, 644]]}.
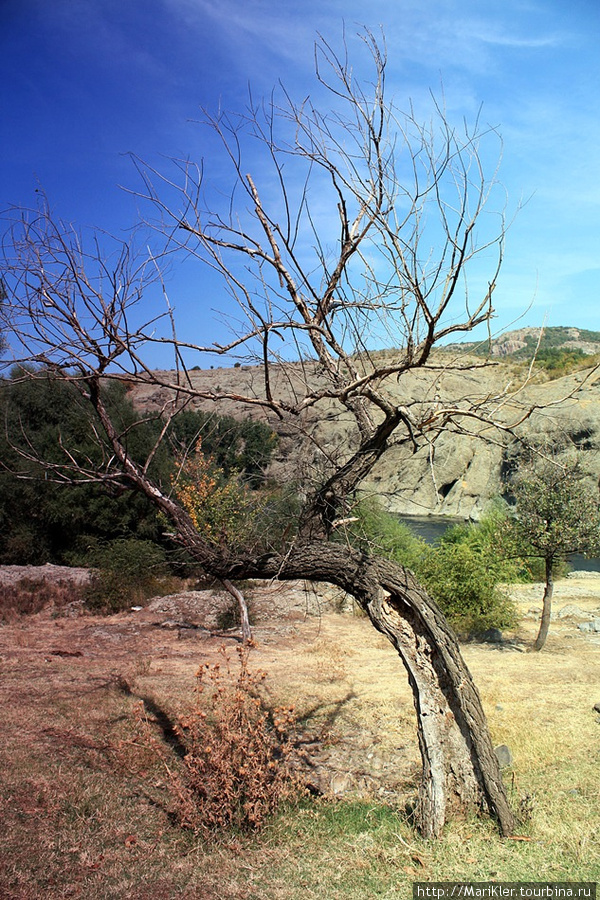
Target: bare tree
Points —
{"points": [[357, 236]]}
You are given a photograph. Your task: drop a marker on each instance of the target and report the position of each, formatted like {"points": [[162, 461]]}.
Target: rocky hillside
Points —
{"points": [[524, 343], [464, 472]]}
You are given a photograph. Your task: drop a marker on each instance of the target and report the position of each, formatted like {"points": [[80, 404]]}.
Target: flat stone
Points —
{"points": [[571, 612], [504, 756]]}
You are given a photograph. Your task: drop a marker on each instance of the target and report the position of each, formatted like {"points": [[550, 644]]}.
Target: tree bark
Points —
{"points": [[547, 605]]}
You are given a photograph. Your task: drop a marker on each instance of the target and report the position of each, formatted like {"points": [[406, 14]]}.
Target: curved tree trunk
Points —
{"points": [[547, 605], [460, 768]]}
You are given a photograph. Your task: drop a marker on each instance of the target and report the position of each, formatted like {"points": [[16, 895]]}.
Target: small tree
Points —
{"points": [[556, 513]]}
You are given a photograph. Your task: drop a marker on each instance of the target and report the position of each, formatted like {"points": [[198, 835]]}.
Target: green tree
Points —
{"points": [[43, 517], [556, 512], [237, 447]]}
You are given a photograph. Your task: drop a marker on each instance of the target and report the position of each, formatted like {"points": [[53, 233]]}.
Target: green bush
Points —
{"points": [[559, 361], [465, 570], [465, 583], [128, 572], [462, 572], [380, 532]]}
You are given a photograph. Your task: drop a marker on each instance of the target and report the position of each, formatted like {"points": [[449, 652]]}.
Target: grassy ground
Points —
{"points": [[84, 813]]}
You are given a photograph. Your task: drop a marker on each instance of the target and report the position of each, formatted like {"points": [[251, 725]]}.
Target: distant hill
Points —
{"points": [[522, 343]]}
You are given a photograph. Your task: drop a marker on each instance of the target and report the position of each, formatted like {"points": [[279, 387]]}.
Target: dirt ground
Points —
{"points": [[344, 679]]}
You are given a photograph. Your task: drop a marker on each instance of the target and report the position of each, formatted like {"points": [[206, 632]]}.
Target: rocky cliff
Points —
{"points": [[463, 471]]}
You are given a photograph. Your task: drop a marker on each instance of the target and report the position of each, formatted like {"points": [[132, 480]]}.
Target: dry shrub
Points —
{"points": [[31, 595], [237, 767]]}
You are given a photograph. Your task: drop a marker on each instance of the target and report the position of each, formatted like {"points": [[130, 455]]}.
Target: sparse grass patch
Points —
{"points": [[86, 813]]}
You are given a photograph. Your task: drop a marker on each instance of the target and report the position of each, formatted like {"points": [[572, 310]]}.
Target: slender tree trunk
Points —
{"points": [[547, 605], [243, 609]]}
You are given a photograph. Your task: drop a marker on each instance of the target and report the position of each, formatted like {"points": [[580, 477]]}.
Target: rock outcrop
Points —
{"points": [[462, 471]]}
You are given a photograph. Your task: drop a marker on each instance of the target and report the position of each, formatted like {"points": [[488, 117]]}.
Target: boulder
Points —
{"points": [[491, 636], [590, 627]]}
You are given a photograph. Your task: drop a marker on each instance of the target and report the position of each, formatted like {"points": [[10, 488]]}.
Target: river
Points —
{"points": [[431, 529]]}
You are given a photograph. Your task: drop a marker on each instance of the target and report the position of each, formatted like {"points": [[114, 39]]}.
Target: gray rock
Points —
{"points": [[491, 636], [590, 627], [571, 612], [504, 756]]}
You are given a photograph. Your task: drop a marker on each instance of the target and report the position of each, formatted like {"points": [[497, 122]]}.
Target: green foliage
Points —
{"points": [[129, 571], [380, 532], [46, 418], [42, 520], [237, 447], [558, 361], [464, 579], [223, 509], [462, 572], [556, 511]]}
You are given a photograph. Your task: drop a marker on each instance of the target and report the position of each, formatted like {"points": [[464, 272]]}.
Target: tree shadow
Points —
{"points": [[161, 717]]}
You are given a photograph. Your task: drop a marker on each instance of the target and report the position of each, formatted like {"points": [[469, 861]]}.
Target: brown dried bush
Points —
{"points": [[32, 595], [237, 767]]}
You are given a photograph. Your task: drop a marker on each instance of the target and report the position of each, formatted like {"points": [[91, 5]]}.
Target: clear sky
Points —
{"points": [[84, 82]]}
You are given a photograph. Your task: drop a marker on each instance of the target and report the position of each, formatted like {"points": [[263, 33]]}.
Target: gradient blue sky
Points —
{"points": [[86, 81]]}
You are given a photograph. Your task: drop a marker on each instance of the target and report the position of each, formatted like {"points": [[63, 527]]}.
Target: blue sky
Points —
{"points": [[84, 82]]}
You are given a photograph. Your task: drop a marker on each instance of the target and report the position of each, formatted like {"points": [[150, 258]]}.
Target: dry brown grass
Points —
{"points": [[32, 595], [82, 818]]}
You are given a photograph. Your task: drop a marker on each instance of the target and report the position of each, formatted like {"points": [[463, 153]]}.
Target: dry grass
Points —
{"points": [[84, 815], [32, 595]]}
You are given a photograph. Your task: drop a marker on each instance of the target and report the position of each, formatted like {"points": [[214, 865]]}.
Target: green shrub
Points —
{"points": [[128, 572], [462, 572], [465, 583], [380, 532], [558, 361]]}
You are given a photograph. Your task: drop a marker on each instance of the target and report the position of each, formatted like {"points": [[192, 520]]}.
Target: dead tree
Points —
{"points": [[355, 231]]}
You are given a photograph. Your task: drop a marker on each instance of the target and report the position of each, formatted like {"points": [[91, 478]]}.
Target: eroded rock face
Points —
{"points": [[456, 476], [465, 473]]}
